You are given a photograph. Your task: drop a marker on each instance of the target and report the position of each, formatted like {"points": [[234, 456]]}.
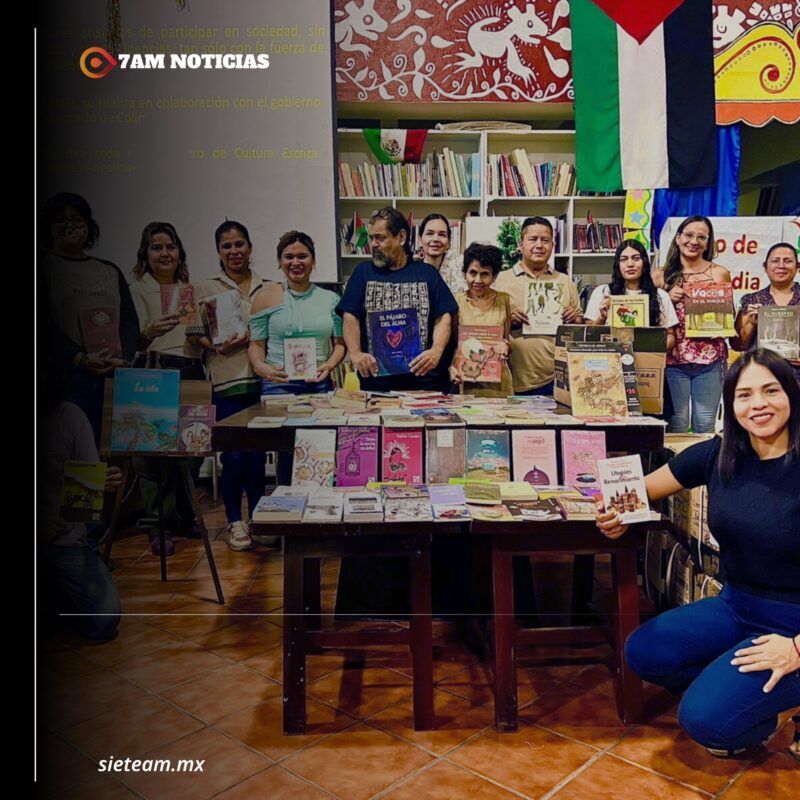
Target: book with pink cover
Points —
{"points": [[356, 456], [402, 455], [534, 456], [478, 352], [580, 452], [178, 298], [100, 330]]}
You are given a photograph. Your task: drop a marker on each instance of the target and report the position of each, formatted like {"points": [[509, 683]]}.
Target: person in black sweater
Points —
{"points": [[719, 649]]}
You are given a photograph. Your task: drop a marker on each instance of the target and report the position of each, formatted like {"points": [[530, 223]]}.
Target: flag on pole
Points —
{"points": [[396, 146], [360, 235], [644, 94]]}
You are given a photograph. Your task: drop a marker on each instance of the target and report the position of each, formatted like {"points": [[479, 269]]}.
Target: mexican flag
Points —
{"points": [[396, 146], [643, 75]]}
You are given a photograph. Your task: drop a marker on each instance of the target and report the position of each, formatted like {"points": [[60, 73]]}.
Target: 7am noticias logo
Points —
{"points": [[97, 62]]}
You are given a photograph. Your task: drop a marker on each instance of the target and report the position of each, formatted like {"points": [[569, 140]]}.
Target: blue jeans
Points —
{"points": [[283, 469], [703, 384], [78, 582], [691, 648], [242, 471], [87, 391]]}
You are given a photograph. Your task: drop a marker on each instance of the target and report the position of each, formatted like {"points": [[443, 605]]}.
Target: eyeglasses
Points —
{"points": [[700, 238]]}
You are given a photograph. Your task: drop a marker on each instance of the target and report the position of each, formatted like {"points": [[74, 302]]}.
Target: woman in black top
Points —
{"points": [[719, 648]]}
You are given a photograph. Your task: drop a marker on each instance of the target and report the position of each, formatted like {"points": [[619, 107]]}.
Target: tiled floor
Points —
{"points": [[188, 679]]}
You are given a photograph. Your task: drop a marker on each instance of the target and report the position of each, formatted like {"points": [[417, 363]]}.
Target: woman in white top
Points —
{"points": [[631, 275]]}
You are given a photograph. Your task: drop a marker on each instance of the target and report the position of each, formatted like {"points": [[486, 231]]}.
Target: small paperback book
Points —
{"points": [[517, 490], [300, 358], [544, 305], [629, 310], [363, 507], [279, 509], [82, 491], [314, 457], [409, 509], [266, 422], [448, 503], [708, 309], [405, 491], [324, 507], [445, 454], [779, 330], [357, 456], [194, 428], [402, 455], [488, 455], [534, 454], [394, 339], [580, 452], [577, 508], [622, 481], [479, 348], [482, 492], [177, 299], [497, 513], [225, 316], [438, 417], [534, 510], [596, 380], [100, 330], [145, 410]]}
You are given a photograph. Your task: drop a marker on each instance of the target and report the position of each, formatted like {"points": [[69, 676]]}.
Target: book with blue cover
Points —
{"points": [[394, 339], [145, 410]]}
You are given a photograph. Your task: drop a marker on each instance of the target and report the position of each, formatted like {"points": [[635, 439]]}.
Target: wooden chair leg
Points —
{"points": [[118, 498]]}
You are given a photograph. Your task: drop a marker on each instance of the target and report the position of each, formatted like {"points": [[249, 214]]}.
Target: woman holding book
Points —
{"points": [[224, 303], [783, 291], [434, 239], [695, 365], [630, 274], [483, 306], [737, 656], [295, 330], [161, 277]]}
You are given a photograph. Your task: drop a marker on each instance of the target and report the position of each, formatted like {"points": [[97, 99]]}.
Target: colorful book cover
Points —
{"points": [[629, 311], [445, 454], [225, 316], [479, 348], [100, 330], [534, 454], [394, 339], [194, 428], [497, 513], [178, 299], [300, 358], [279, 509], [448, 503], [409, 509], [144, 416], [779, 330], [314, 456], [708, 310], [534, 510], [544, 305], [82, 491], [488, 456], [596, 380], [402, 455], [357, 456], [438, 416], [622, 483], [404, 491], [580, 452]]}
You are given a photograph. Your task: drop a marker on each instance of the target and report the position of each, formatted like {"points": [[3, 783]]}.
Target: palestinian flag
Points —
{"points": [[359, 235], [643, 74], [396, 146]]}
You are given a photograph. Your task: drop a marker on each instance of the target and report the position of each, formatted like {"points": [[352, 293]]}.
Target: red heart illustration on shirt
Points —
{"points": [[394, 338], [637, 18]]}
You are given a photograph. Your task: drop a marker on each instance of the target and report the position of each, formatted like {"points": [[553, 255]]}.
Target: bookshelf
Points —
{"points": [[540, 146]]}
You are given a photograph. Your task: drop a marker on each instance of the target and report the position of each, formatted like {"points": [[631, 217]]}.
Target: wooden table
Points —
{"points": [[304, 545], [575, 537]]}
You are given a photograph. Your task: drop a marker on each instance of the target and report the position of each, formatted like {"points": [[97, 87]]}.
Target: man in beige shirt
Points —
{"points": [[532, 357]]}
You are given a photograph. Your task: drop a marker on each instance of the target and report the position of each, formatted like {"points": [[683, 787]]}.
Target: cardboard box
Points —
{"points": [[650, 359]]}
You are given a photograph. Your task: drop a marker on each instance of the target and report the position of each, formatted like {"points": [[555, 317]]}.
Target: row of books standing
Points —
{"points": [[445, 174], [596, 237], [514, 175]]}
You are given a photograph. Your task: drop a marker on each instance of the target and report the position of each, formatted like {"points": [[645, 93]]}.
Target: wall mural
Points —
{"points": [[453, 50]]}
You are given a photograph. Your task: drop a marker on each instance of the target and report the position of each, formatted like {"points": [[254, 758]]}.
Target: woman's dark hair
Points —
{"points": [[143, 263], [292, 237], [55, 205], [432, 217], [487, 255], [735, 439], [780, 246], [672, 263], [226, 227], [646, 285], [395, 222]]}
